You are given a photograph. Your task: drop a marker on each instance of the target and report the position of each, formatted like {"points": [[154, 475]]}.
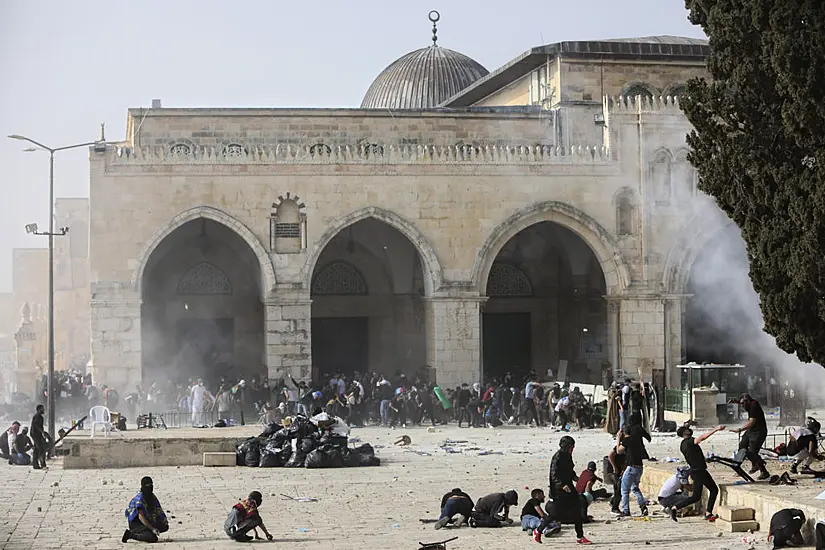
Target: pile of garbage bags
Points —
{"points": [[302, 444]]}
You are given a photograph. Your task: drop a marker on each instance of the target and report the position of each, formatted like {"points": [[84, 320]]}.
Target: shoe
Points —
{"points": [[554, 529], [766, 475], [126, 536], [615, 510], [536, 535], [472, 523], [244, 538], [753, 469], [441, 523], [793, 469], [459, 520], [673, 515], [710, 517], [625, 514], [805, 470], [644, 511], [583, 541]]}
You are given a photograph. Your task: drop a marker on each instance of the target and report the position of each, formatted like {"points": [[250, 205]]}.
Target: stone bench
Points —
{"points": [[219, 459]]}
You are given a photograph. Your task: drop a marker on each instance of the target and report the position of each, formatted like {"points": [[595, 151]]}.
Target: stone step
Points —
{"points": [[737, 526], [219, 459], [736, 513]]}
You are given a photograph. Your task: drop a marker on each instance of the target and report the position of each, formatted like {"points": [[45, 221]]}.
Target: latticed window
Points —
{"points": [[508, 280], [234, 150], [287, 226], [287, 230], [180, 149], [204, 278], [339, 278]]}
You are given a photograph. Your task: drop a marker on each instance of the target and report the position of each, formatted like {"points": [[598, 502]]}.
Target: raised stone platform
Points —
{"points": [[130, 449]]}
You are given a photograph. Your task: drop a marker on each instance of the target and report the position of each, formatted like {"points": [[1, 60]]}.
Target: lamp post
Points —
{"points": [[32, 228]]}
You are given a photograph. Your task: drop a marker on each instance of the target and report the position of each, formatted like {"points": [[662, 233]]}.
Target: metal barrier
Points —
{"points": [[677, 401], [185, 419]]}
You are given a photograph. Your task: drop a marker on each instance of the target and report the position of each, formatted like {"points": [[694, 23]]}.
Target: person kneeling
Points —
{"points": [[535, 520], [244, 517], [584, 485], [455, 504], [145, 515], [492, 510], [675, 489]]}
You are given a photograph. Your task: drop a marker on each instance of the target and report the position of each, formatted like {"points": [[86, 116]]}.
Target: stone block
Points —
{"points": [[734, 514], [219, 459], [737, 526]]}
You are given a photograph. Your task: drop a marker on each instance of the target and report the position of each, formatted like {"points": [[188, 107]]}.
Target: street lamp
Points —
{"points": [[100, 146]]}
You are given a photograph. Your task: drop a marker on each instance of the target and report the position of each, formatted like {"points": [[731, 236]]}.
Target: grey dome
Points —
{"points": [[422, 79]]}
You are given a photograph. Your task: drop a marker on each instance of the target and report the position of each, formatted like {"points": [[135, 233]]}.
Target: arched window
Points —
{"points": [[684, 176], [639, 89], [204, 278], [287, 226], [661, 177], [508, 280], [339, 279], [626, 212]]}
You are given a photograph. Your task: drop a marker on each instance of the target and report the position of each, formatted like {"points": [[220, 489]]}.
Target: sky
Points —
{"points": [[67, 67]]}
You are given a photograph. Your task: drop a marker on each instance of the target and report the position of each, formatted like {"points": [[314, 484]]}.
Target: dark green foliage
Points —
{"points": [[759, 148]]}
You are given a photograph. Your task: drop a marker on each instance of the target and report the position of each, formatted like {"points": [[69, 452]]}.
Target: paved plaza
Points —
{"points": [[358, 508]]}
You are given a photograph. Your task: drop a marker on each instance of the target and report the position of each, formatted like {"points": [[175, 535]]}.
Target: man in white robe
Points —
{"points": [[197, 402]]}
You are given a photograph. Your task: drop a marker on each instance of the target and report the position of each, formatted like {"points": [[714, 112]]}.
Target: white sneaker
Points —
{"points": [[459, 519]]}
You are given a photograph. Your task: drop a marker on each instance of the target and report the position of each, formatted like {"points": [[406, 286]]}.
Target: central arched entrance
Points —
{"points": [[202, 315], [368, 303], [545, 308]]}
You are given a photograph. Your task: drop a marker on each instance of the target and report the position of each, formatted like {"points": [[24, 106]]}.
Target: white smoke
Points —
{"points": [[724, 296]]}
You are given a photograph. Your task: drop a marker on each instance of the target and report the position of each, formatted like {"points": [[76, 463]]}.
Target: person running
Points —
{"points": [[631, 440], [755, 432], [244, 517], [566, 500], [698, 471], [38, 436], [145, 515]]}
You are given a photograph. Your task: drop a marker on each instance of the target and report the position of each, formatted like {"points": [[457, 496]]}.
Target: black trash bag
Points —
{"points": [[300, 428], [243, 447], [253, 453], [335, 440], [273, 456], [350, 458], [785, 528], [271, 429], [280, 437], [365, 449], [334, 458], [316, 459], [296, 460], [365, 460], [308, 444]]}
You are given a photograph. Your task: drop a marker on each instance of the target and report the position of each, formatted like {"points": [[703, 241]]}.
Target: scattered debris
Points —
{"points": [[403, 440], [299, 499]]}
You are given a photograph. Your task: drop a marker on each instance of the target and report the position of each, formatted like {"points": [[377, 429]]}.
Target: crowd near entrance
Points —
{"points": [[368, 303], [545, 307]]}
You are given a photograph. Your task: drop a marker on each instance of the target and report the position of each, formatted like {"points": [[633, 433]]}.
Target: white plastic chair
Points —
{"points": [[100, 415]]}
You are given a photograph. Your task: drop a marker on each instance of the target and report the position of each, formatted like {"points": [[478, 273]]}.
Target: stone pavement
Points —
{"points": [[376, 508]]}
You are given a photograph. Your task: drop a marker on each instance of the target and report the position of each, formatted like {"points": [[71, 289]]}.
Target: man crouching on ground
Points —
{"points": [[145, 515], [244, 517]]}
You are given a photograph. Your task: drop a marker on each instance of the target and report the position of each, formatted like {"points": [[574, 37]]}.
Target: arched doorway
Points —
{"points": [[367, 294], [545, 307], [201, 313]]}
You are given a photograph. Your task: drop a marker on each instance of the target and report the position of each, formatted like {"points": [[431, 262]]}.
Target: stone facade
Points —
{"points": [[452, 189]]}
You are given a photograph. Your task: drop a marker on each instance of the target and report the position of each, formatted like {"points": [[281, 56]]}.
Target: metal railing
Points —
{"points": [[677, 401], [185, 419]]}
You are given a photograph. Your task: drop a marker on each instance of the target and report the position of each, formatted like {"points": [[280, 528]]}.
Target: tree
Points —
{"points": [[758, 145]]}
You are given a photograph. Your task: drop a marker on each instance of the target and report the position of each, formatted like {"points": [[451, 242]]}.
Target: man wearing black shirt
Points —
{"points": [[463, 403], [631, 441], [493, 510], [38, 435], [456, 504], [698, 471], [566, 500], [618, 461], [756, 431]]}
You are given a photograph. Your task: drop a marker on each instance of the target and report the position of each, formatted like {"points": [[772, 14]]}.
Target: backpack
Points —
{"points": [[785, 527]]}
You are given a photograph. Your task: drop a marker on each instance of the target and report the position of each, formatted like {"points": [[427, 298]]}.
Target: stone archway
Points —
{"points": [[603, 245], [368, 288], [202, 314], [267, 271], [429, 260]]}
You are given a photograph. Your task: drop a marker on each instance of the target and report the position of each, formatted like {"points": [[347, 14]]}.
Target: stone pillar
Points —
{"points": [[614, 338], [642, 329], [116, 336], [288, 318], [673, 341], [27, 340], [454, 338]]}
